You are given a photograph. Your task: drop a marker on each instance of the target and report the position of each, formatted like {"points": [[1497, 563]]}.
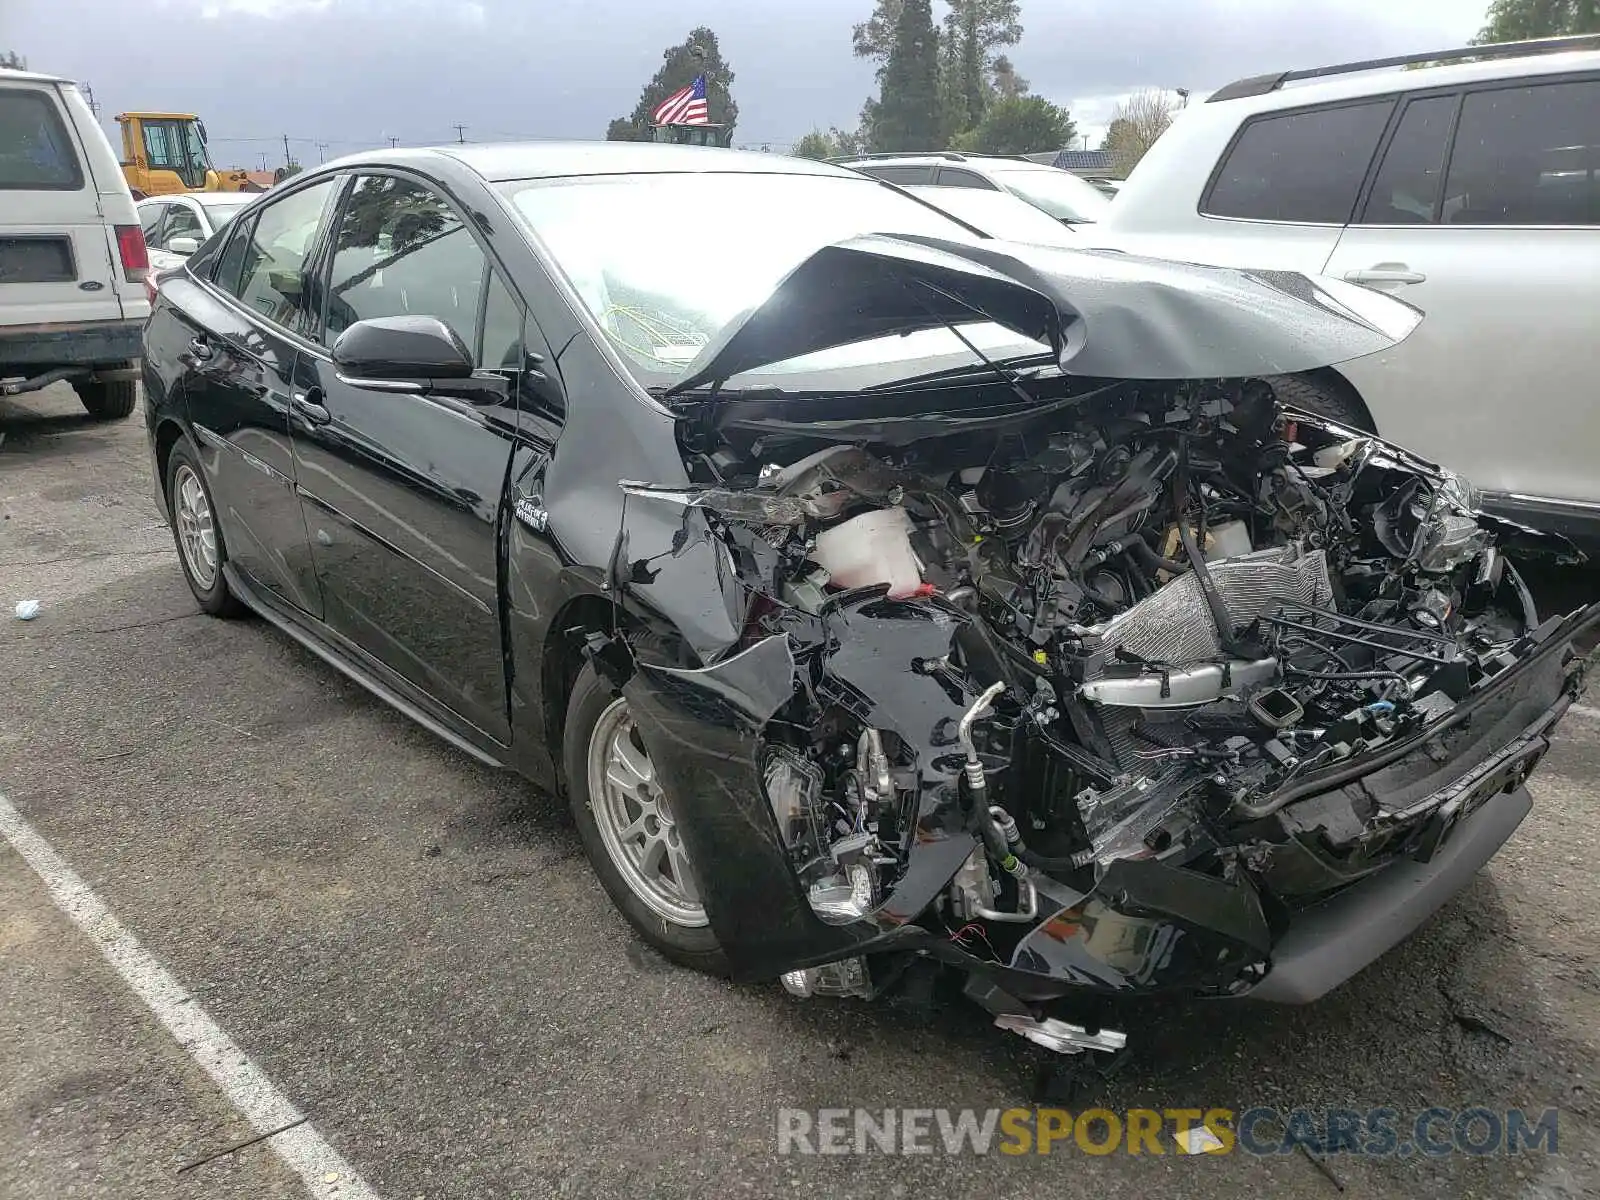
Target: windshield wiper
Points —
{"points": [[1030, 365]]}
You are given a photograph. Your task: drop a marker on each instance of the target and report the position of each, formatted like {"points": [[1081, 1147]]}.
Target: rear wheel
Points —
{"points": [[108, 401], [1301, 391], [629, 832], [201, 550]]}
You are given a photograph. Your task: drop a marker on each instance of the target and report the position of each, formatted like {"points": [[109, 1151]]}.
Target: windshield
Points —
{"points": [[665, 262], [999, 214], [1060, 193]]}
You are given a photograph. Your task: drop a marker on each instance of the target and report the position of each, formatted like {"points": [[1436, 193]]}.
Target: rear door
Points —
{"points": [[1485, 213], [56, 259], [402, 494], [239, 353]]}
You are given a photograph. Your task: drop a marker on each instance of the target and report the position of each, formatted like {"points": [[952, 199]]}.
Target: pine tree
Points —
{"points": [[698, 54], [907, 114]]}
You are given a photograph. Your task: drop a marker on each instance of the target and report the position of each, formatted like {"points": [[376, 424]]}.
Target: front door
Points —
{"points": [[402, 494], [1500, 248], [239, 368]]}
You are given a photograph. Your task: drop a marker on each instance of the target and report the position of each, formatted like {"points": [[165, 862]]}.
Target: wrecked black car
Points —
{"points": [[890, 601]]}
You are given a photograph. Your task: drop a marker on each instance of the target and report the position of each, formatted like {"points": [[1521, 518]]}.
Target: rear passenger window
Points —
{"points": [[902, 175], [150, 220], [1406, 190], [402, 250], [968, 179], [36, 151], [1303, 167], [264, 264], [1527, 156]]}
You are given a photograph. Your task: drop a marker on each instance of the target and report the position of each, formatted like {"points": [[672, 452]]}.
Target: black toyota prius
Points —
{"points": [[892, 603]]}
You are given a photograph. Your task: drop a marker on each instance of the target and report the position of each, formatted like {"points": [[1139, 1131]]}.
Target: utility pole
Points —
{"points": [[94, 105], [461, 133], [288, 159], [321, 146], [393, 141]]}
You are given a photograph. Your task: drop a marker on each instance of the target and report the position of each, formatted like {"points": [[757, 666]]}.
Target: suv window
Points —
{"points": [[36, 152], [502, 329], [1303, 167], [1406, 189], [400, 249], [1527, 156], [901, 175], [950, 177], [150, 219], [265, 260]]}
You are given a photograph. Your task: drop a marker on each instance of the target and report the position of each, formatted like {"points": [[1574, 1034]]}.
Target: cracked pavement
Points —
{"points": [[414, 950]]}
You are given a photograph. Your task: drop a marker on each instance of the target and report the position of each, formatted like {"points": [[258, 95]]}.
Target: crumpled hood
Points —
{"points": [[1105, 314]]}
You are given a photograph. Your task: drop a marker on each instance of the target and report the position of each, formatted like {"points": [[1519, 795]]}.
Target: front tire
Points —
{"points": [[201, 551], [1300, 391], [625, 819], [108, 401]]}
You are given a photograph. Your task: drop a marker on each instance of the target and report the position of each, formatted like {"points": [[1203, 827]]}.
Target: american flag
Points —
{"points": [[686, 106]]}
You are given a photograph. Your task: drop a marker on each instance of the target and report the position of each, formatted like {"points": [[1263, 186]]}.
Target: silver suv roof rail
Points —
{"points": [[947, 155], [1261, 85]]}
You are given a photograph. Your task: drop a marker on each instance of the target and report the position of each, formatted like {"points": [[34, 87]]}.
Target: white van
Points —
{"points": [[73, 262]]}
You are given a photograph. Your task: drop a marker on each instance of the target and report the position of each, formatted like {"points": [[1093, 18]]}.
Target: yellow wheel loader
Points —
{"points": [[166, 152]]}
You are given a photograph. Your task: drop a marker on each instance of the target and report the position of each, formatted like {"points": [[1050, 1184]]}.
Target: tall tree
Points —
{"points": [[907, 115], [698, 54], [1516, 20], [13, 60], [1135, 125], [1007, 83], [974, 30], [1022, 125]]}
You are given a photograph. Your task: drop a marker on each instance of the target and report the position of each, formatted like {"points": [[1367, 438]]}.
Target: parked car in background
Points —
{"points": [[888, 600], [998, 214], [1468, 186], [175, 225], [73, 260], [1061, 194]]}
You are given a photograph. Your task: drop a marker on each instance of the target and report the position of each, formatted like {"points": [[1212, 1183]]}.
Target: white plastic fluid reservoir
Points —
{"points": [[872, 548], [1228, 540]]}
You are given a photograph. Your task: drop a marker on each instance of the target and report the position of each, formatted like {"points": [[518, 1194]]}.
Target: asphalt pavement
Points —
{"points": [[412, 949]]}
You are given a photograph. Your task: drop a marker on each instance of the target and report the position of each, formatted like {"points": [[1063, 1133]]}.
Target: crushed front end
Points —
{"points": [[1082, 687]]}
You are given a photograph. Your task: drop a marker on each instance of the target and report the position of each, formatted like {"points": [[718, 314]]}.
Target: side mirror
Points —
{"points": [[412, 354], [183, 245]]}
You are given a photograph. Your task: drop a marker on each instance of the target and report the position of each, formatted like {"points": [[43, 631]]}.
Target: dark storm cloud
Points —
{"points": [[350, 72]]}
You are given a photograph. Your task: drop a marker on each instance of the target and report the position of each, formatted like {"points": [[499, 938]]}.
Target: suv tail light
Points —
{"points": [[135, 257]]}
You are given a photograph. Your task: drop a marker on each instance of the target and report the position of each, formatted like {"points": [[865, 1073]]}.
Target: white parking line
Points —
{"points": [[325, 1172]]}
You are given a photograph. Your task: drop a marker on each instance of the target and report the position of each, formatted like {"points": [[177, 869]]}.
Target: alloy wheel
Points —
{"points": [[636, 821], [197, 535]]}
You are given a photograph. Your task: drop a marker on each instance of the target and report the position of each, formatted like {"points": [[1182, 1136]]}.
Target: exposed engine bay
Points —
{"points": [[1129, 639]]}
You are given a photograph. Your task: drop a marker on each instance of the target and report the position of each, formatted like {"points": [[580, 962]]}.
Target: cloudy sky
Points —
{"points": [[351, 73]]}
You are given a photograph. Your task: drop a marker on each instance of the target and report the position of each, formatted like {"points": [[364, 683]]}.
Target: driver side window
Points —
{"points": [[401, 249]]}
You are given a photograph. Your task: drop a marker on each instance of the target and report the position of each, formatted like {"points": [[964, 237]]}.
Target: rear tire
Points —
{"points": [[1300, 391], [599, 743], [201, 551], [108, 401]]}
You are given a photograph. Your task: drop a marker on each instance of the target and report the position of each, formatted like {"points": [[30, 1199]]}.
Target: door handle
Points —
{"points": [[309, 406], [199, 348], [1386, 273]]}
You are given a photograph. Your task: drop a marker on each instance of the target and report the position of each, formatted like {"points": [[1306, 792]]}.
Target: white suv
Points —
{"points": [[1470, 189], [1072, 201], [73, 261]]}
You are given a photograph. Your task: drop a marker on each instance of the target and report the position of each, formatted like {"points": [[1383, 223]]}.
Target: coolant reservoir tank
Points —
{"points": [[872, 548]]}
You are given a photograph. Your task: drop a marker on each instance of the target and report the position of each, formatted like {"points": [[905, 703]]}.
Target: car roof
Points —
{"points": [[11, 74], [502, 162]]}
